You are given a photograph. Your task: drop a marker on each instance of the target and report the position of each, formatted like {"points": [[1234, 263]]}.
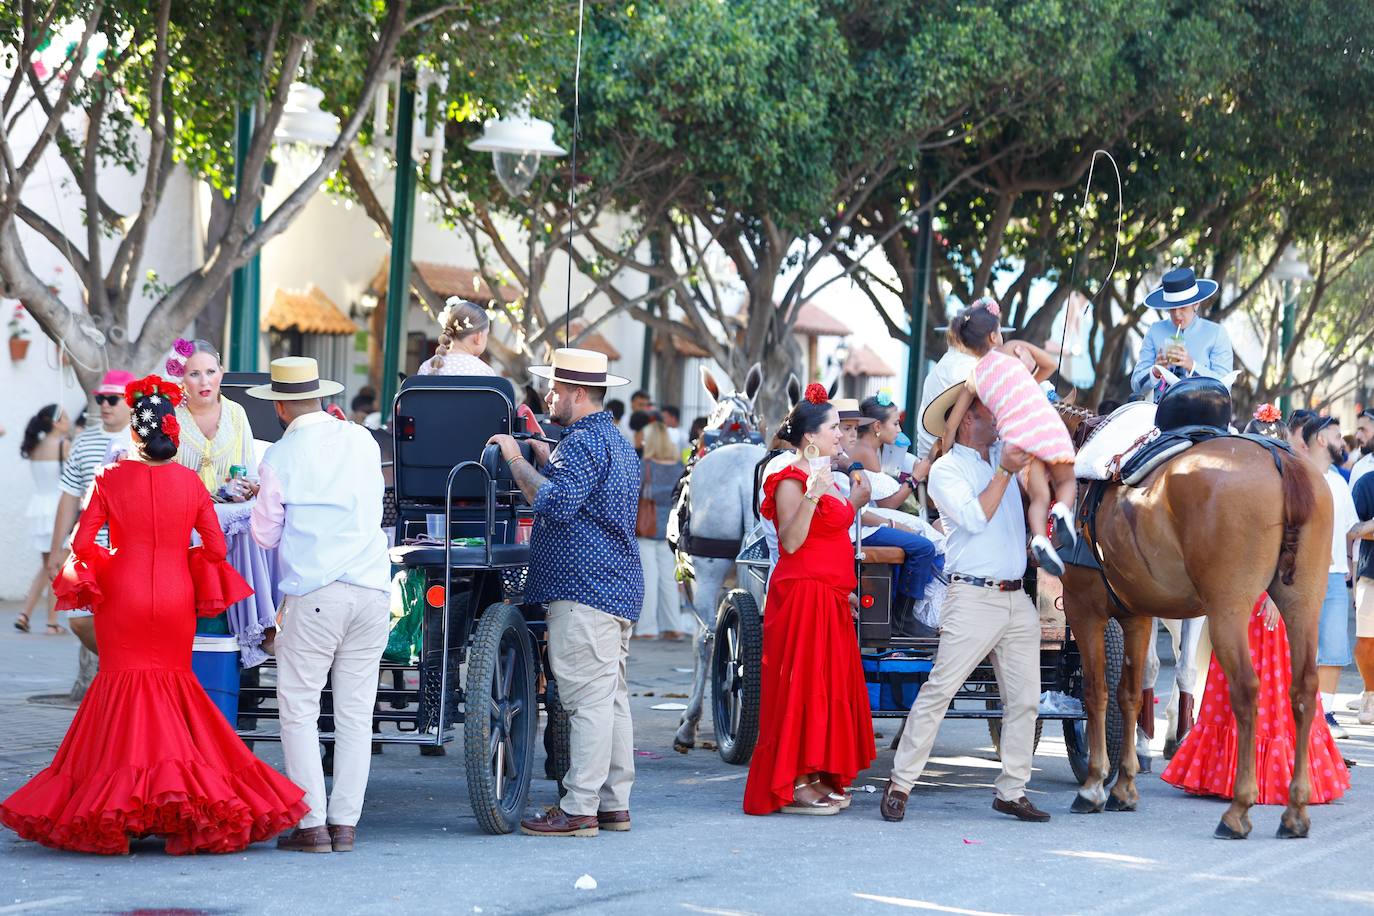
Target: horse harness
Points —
{"points": [[695, 545]]}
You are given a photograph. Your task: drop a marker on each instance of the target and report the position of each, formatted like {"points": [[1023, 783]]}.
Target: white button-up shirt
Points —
{"points": [[1361, 468], [1343, 518], [991, 548], [952, 369], [320, 502]]}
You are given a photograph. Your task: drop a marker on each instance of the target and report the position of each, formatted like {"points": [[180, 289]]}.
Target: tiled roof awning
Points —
{"points": [[863, 361], [448, 280], [309, 312]]}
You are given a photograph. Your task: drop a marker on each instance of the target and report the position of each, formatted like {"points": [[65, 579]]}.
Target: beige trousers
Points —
{"points": [[338, 630], [974, 623], [588, 649]]}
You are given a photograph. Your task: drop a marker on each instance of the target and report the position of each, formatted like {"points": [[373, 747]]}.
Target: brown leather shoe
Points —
{"points": [[306, 839], [1021, 809], [893, 804], [557, 822], [342, 836], [618, 821]]}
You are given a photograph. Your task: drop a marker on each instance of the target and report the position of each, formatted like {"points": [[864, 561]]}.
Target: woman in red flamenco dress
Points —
{"points": [[148, 752], [815, 727], [1205, 763]]}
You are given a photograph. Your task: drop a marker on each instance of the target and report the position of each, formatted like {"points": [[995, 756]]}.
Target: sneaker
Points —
{"points": [[1046, 555], [1064, 531], [1366, 716], [1337, 731], [1358, 703]]}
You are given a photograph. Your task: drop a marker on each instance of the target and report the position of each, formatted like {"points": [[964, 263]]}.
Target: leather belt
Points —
{"points": [[1001, 585]]}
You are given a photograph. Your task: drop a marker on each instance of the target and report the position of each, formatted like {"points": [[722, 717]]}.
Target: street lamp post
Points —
{"points": [[1290, 272], [916, 352]]}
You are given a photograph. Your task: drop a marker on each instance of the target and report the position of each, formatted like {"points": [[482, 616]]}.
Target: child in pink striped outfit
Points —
{"points": [[1002, 379]]}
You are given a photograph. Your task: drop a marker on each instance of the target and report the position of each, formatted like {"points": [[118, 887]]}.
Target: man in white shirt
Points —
{"points": [[1326, 450], [951, 369], [986, 609], [320, 503], [1364, 440]]}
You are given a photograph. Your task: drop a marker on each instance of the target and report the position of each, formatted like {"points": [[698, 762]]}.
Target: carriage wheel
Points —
{"points": [[1076, 730], [557, 737], [736, 676], [500, 716], [995, 730]]}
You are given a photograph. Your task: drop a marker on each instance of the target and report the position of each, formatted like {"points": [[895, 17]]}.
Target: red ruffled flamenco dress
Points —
{"points": [[148, 753], [1205, 763], [814, 715]]}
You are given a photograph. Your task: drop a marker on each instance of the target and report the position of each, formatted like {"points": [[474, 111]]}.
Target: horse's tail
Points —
{"points": [[1298, 502]]}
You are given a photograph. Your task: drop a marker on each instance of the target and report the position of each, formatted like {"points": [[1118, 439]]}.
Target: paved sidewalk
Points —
{"points": [[693, 851]]}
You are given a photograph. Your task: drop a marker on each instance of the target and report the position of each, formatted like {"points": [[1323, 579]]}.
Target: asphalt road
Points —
{"points": [[693, 851]]}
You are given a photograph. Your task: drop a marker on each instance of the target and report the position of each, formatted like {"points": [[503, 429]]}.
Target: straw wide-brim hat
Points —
{"points": [[572, 366], [295, 378], [848, 409], [937, 411]]}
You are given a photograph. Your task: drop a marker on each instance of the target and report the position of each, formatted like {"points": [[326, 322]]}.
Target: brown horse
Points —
{"points": [[1205, 534]]}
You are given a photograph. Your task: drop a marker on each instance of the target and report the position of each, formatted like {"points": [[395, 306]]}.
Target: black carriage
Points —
{"points": [[466, 655], [738, 651]]}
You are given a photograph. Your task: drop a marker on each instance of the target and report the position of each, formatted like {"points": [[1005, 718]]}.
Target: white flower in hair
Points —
{"points": [[154, 399], [146, 415]]}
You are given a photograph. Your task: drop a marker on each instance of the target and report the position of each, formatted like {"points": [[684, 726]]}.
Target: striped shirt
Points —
{"points": [[88, 456], [1023, 413]]}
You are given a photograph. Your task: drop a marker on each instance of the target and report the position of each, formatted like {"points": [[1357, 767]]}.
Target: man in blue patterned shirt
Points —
{"points": [[584, 564]]}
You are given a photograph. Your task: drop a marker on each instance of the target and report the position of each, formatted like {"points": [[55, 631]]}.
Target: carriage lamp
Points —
{"points": [[434, 595], [516, 143]]}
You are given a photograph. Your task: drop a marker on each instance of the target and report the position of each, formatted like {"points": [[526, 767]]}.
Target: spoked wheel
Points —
{"points": [[736, 676], [500, 721], [1076, 730], [995, 730]]}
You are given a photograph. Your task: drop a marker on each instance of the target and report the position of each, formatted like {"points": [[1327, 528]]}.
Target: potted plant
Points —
{"points": [[19, 335]]}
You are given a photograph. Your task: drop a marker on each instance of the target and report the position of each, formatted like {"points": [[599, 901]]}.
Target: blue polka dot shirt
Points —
{"points": [[583, 545]]}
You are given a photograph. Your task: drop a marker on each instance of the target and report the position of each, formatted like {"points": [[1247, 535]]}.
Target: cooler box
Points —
{"points": [[215, 661], [894, 679]]}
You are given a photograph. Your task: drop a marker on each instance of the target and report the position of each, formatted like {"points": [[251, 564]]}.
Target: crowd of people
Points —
{"points": [[149, 754]]}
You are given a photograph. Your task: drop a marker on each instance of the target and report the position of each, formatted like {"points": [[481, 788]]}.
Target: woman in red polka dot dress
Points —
{"points": [[1205, 763]]}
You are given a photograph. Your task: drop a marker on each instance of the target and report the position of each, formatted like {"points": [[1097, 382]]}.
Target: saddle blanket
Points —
{"points": [[1121, 435]]}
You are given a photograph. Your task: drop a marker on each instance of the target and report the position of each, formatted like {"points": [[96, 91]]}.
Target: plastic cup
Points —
{"points": [[434, 525]]}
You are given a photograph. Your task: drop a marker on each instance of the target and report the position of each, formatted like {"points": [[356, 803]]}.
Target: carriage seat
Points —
{"points": [[892, 556], [1197, 401], [432, 555]]}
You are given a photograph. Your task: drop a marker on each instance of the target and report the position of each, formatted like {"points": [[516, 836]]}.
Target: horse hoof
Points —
{"points": [[1288, 833], [1116, 804], [1083, 805], [682, 748], [1224, 832]]}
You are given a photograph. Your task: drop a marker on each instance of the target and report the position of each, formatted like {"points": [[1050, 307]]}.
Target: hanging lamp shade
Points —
{"points": [[516, 144], [303, 121], [1291, 266]]}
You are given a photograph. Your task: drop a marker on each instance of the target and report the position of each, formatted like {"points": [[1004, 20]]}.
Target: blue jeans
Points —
{"points": [[1333, 631], [921, 564]]}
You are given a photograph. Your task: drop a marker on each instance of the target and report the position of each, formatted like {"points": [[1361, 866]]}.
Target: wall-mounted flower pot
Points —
{"points": [[19, 348]]}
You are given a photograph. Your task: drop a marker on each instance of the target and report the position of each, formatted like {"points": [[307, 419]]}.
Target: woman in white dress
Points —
{"points": [[215, 435], [462, 341], [45, 446]]}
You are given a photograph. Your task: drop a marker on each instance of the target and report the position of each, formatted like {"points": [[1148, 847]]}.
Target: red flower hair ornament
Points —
{"points": [[1268, 413], [152, 386], [171, 427], [816, 393]]}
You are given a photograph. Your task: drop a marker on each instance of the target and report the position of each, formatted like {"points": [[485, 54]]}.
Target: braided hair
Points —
{"points": [[459, 319], [157, 434]]}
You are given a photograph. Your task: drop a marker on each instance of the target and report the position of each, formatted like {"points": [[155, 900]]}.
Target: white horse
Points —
{"points": [[720, 498]]}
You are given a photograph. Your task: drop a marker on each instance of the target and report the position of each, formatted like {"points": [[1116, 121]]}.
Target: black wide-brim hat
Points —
{"points": [[1180, 287]]}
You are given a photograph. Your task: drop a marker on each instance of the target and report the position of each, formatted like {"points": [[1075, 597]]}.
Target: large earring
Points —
{"points": [[811, 451]]}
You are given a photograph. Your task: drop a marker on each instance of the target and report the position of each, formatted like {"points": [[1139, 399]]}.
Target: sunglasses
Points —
{"points": [[108, 400]]}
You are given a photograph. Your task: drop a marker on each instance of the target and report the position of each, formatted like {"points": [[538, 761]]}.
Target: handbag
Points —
{"points": [[646, 517]]}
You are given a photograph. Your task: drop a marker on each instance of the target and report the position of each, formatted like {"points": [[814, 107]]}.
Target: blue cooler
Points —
{"points": [[894, 679], [215, 661]]}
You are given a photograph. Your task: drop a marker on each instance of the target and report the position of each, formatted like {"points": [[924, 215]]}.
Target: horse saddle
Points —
{"points": [[1197, 401]]}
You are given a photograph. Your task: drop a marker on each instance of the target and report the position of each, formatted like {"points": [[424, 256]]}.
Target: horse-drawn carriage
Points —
{"points": [[730, 650], [466, 655]]}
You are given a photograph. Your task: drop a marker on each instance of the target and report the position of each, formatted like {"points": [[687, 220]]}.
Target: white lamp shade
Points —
{"points": [[303, 121], [517, 135], [1291, 266]]}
